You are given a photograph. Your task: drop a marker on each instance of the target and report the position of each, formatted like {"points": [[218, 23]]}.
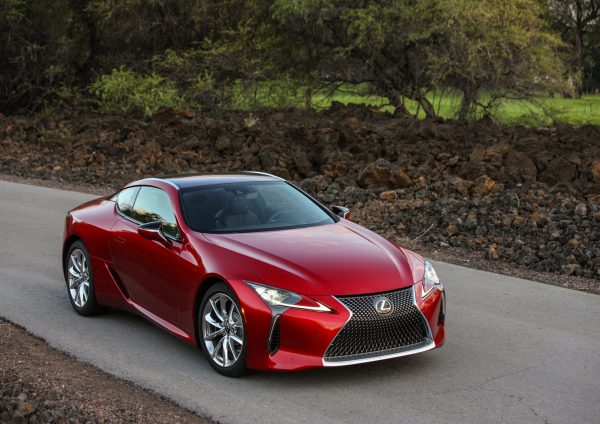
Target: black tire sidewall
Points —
{"points": [[240, 366], [91, 307]]}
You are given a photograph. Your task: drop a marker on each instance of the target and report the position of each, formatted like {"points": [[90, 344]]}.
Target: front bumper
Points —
{"points": [[303, 337]]}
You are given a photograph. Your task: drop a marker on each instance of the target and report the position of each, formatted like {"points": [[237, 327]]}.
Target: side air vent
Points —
{"points": [[274, 336], [118, 281]]}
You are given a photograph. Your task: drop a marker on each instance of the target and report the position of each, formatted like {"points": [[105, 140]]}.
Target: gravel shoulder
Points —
{"points": [[454, 255], [39, 384]]}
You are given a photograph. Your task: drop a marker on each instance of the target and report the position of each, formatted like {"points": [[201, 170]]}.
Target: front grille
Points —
{"points": [[369, 334]]}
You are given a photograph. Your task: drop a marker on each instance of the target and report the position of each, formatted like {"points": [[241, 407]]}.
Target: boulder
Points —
{"points": [[388, 196], [375, 174], [399, 178], [519, 167]]}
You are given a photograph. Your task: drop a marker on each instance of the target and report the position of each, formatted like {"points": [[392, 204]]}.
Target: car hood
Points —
{"points": [[336, 259]]}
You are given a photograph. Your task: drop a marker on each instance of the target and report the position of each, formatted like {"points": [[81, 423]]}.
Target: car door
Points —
{"points": [[145, 267]]}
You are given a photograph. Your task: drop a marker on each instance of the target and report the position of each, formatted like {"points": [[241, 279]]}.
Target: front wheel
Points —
{"points": [[80, 280], [222, 331]]}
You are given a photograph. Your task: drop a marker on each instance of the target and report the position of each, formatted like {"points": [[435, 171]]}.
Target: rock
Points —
{"points": [[492, 252], [388, 196], [375, 174], [596, 171], [453, 160], [452, 230], [187, 113], [560, 169], [278, 117], [483, 185], [268, 157], [570, 269], [519, 167], [462, 186], [223, 143], [471, 221], [477, 155], [399, 178], [192, 143], [581, 209], [24, 408]]}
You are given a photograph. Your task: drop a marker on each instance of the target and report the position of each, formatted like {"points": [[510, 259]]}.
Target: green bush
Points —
{"points": [[124, 91]]}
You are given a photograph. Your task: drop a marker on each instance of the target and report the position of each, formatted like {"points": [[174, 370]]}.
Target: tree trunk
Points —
{"points": [[308, 94], [577, 66], [427, 107], [467, 103]]}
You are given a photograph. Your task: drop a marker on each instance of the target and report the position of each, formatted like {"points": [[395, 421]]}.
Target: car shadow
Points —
{"points": [[357, 375]]}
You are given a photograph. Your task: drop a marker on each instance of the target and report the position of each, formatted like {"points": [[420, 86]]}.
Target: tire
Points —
{"points": [[82, 294], [224, 351]]}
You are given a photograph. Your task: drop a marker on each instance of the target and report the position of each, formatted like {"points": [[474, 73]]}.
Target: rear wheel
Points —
{"points": [[80, 280], [222, 331]]}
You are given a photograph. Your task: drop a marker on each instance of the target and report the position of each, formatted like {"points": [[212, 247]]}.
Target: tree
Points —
{"points": [[498, 49], [575, 19], [407, 48], [39, 52]]}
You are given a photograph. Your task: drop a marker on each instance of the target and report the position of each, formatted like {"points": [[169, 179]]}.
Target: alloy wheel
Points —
{"points": [[79, 278], [222, 330]]}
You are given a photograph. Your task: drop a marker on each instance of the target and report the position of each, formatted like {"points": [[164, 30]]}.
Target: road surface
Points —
{"points": [[516, 352]]}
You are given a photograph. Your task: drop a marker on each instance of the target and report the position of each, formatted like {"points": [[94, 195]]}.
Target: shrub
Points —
{"points": [[124, 91]]}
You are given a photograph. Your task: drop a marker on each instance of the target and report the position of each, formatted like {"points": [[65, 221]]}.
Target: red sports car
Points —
{"points": [[254, 270]]}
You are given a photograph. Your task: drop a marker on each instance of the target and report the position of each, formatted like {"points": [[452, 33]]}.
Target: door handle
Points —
{"points": [[120, 239]]}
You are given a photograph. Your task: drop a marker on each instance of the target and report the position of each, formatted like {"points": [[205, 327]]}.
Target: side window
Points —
{"points": [[125, 200], [153, 204]]}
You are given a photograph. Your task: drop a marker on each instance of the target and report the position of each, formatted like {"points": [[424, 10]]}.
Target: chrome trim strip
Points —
{"points": [[425, 348], [375, 357], [265, 174], [320, 308], [429, 334]]}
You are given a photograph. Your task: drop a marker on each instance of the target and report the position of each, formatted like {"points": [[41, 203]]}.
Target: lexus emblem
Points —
{"points": [[383, 306]]}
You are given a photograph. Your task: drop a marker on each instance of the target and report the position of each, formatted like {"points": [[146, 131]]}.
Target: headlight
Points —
{"points": [[286, 299], [430, 279]]}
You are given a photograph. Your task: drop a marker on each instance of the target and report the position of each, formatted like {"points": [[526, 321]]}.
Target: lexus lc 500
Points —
{"points": [[253, 270]]}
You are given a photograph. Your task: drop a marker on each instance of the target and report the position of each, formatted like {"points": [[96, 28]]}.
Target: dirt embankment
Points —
{"points": [[41, 385], [528, 196]]}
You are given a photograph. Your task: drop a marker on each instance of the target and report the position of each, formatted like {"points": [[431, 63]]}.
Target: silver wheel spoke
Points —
{"points": [[86, 291], [225, 341], [216, 310], [218, 347], [74, 272], [231, 347], [75, 261], [236, 339], [212, 321], [223, 304], [217, 333]]}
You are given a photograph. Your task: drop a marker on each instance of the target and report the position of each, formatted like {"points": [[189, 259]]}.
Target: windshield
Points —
{"points": [[250, 206]]}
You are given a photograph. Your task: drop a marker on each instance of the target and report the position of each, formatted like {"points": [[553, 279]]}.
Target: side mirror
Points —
{"points": [[341, 211], [153, 231]]}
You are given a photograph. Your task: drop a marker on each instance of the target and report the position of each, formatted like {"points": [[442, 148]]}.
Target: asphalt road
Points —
{"points": [[516, 352]]}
